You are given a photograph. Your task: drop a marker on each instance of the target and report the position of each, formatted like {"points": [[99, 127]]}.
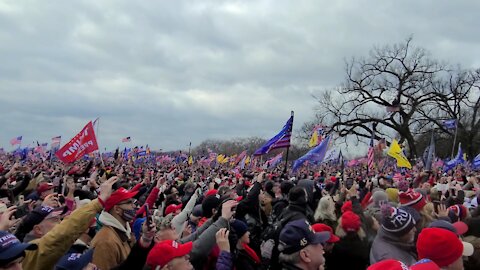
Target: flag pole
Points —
{"points": [[188, 158], [99, 152], [454, 138], [288, 148]]}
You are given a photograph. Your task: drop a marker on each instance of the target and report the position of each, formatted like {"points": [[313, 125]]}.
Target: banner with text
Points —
{"points": [[83, 143]]}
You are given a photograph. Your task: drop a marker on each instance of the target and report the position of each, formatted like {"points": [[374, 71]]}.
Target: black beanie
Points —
{"points": [[210, 203], [297, 195]]}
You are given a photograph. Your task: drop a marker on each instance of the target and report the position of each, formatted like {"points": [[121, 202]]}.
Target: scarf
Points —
{"points": [[107, 219], [251, 253]]}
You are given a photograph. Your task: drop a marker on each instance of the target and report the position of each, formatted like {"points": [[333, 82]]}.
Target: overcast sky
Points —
{"points": [[169, 72]]}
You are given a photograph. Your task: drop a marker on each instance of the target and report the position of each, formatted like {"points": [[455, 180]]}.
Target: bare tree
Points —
{"points": [[399, 77]]}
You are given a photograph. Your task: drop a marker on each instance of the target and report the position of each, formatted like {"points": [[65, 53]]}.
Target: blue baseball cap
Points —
{"points": [[75, 261], [11, 248], [298, 234]]}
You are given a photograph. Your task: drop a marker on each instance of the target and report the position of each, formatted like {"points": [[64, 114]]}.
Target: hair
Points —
{"points": [[223, 190], [427, 215], [325, 209], [293, 258], [340, 232]]}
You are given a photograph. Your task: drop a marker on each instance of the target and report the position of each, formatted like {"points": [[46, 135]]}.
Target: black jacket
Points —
{"points": [[349, 253]]}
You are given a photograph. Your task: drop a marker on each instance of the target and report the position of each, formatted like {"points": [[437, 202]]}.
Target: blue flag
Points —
{"points": [[316, 154], [450, 124], [281, 140], [430, 152], [476, 162], [456, 161]]}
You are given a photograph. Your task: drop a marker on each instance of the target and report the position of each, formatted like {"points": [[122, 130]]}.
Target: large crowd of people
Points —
{"points": [[118, 214]]}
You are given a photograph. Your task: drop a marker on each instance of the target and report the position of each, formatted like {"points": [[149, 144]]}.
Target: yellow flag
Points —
{"points": [[220, 158], [190, 160], [247, 160], [225, 160], [314, 139], [396, 152]]}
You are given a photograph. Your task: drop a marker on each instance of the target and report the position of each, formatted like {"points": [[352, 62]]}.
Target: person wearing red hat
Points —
{"points": [[352, 251], [443, 247], [413, 199], [173, 209], [170, 255], [320, 227], [114, 241], [391, 264]]}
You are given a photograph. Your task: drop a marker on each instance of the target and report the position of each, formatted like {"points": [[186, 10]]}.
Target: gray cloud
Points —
{"points": [[169, 72]]}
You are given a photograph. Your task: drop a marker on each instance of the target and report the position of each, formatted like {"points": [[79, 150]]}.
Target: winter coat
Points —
{"points": [[178, 222], [206, 241], [244, 261], [224, 261], [350, 252], [473, 262], [388, 246], [112, 243], [53, 245]]}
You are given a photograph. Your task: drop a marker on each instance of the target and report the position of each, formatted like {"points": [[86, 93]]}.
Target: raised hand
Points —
{"points": [[222, 239], [106, 188], [228, 209], [6, 221]]}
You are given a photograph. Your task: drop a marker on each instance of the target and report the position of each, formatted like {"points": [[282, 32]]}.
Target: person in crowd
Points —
{"points": [[443, 247], [352, 251], [76, 261], [244, 256], [395, 238], [300, 247], [114, 242], [12, 251]]}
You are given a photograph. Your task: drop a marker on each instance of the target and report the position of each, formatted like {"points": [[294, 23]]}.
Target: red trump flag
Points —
{"points": [[83, 143]]}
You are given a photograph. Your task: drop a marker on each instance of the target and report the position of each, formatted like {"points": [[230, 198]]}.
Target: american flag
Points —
{"points": [[15, 141], [281, 140], [56, 142], [370, 156], [127, 139]]}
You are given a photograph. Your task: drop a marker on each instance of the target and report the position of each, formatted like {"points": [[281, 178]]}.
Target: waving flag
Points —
{"points": [[55, 142], [476, 162], [456, 161], [82, 144], [317, 136], [450, 124], [126, 139], [281, 140], [396, 152], [15, 141], [370, 154], [316, 154], [271, 163]]}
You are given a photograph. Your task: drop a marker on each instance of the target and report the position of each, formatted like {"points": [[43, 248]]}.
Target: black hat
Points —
{"points": [[210, 203], [298, 234]]}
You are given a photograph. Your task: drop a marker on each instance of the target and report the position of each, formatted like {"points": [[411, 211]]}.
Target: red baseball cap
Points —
{"points": [[44, 187], [118, 196], [211, 192], [164, 252], [320, 227], [172, 208]]}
